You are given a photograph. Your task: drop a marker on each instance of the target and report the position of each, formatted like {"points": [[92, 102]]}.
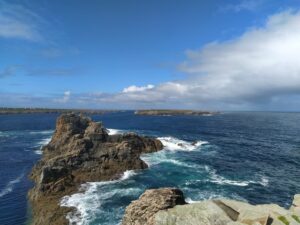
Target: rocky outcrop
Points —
{"points": [[143, 210], [147, 210], [80, 151]]}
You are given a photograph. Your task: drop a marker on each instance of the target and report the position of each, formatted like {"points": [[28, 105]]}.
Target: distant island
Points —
{"points": [[170, 112], [4, 110]]}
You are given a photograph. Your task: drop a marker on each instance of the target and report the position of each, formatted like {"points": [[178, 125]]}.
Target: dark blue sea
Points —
{"points": [[250, 156]]}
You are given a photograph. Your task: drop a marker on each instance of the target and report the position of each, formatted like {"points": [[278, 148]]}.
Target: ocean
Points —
{"points": [[250, 156]]}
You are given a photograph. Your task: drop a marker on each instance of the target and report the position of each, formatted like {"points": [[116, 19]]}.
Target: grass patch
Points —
{"points": [[284, 220], [296, 218]]}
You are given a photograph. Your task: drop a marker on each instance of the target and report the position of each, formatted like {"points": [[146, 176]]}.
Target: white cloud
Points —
{"points": [[66, 97], [134, 88], [16, 21], [255, 68], [258, 70]]}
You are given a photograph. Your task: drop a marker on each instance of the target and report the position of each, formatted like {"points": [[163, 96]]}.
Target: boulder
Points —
{"points": [[142, 211], [150, 209]]}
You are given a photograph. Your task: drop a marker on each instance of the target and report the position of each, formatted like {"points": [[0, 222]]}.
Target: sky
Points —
{"points": [[141, 54]]}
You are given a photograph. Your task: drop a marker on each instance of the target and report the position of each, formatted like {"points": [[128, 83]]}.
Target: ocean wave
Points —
{"points": [[94, 194], [42, 132], [4, 134], [114, 131], [174, 144], [163, 157], [42, 143], [218, 179], [10, 185]]}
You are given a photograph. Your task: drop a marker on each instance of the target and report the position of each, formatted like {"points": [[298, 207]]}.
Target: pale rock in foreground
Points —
{"points": [[144, 211]]}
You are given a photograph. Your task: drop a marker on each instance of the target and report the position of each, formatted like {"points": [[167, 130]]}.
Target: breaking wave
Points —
{"points": [[41, 143], [89, 202], [114, 131], [174, 144]]}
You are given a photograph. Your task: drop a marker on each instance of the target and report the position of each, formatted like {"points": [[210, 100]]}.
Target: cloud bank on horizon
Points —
{"points": [[257, 70]]}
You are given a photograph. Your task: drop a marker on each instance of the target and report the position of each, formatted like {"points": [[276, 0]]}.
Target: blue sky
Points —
{"points": [[149, 54]]}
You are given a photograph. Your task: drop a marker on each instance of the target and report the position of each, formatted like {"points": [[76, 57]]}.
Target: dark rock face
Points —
{"points": [[81, 151], [142, 211]]}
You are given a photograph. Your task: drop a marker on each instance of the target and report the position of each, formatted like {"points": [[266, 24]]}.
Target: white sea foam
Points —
{"points": [[174, 144], [218, 179], [94, 194], [163, 157], [41, 143], [42, 132], [10, 185], [114, 131], [4, 134]]}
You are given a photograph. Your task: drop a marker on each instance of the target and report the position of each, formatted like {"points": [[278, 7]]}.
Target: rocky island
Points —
{"points": [[169, 112], [80, 151], [166, 206]]}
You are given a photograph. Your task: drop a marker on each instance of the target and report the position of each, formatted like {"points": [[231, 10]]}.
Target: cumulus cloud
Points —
{"points": [[65, 98], [134, 88], [17, 21], [258, 70], [255, 68]]}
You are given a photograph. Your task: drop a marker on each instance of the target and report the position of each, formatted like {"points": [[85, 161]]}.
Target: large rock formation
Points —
{"points": [[166, 207], [81, 151]]}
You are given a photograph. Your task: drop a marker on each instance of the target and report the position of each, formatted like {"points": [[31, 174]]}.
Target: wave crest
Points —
{"points": [[174, 144], [89, 202]]}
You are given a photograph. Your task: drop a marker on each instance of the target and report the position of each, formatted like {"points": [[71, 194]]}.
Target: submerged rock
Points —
{"points": [[158, 207], [80, 151]]}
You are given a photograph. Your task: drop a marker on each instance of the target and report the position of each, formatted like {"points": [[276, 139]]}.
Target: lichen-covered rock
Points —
{"points": [[142, 211], [80, 151]]}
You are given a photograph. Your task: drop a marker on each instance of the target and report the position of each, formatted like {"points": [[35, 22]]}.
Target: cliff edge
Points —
{"points": [[80, 151]]}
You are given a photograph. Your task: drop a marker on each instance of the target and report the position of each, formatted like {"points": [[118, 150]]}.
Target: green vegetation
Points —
{"points": [[284, 220], [296, 218]]}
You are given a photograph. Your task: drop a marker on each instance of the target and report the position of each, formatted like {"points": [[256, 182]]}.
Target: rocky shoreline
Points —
{"points": [[81, 151], [166, 206]]}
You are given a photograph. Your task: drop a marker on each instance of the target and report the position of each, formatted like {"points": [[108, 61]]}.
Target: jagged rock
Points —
{"points": [[209, 212], [142, 211], [81, 151]]}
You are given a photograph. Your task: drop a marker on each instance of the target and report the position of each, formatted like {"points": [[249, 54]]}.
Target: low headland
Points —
{"points": [[5, 110], [171, 112]]}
